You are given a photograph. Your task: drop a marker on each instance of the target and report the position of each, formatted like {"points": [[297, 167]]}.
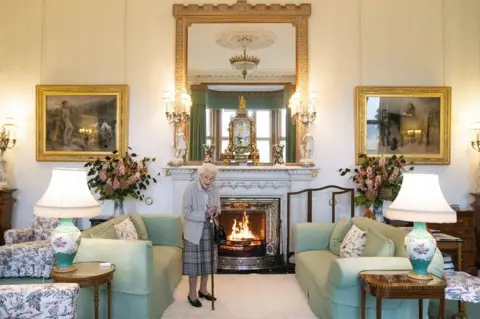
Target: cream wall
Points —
{"points": [[352, 42]]}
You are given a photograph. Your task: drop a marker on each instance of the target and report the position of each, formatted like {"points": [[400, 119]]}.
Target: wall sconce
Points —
{"points": [[177, 112], [8, 139], [177, 108], [305, 114], [474, 130]]}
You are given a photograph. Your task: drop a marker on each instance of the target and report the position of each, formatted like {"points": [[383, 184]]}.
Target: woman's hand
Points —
{"points": [[211, 210]]}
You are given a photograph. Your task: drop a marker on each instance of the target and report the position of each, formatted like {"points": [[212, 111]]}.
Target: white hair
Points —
{"points": [[207, 167]]}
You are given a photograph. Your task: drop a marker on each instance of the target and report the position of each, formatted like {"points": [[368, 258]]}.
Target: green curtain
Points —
{"points": [[271, 100], [198, 126], [291, 138]]}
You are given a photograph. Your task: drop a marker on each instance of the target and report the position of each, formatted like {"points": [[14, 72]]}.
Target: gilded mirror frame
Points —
{"points": [[243, 12]]}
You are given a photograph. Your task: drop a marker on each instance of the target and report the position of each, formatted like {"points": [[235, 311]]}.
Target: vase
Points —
{"points": [[118, 207], [378, 212]]}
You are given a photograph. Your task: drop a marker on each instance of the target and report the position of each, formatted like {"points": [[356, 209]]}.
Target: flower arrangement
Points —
{"points": [[377, 179], [119, 177]]}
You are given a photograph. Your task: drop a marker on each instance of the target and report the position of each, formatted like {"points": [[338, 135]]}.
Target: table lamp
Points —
{"points": [[67, 197], [420, 201]]}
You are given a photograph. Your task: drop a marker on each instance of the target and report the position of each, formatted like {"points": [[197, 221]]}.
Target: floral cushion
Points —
{"points": [[353, 244], [462, 286], [55, 301], [126, 230]]}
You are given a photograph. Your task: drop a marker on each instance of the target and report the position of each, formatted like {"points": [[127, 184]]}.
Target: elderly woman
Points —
{"points": [[201, 202]]}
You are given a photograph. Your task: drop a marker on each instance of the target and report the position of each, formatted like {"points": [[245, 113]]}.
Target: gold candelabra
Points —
{"points": [[301, 113], [475, 143], [177, 109]]}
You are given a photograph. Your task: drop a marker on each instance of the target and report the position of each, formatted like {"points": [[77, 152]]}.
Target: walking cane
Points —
{"points": [[212, 259]]}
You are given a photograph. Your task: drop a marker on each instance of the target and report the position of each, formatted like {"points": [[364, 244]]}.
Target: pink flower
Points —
{"points": [[369, 171], [378, 180], [120, 169], [116, 184], [139, 166], [382, 161], [103, 176]]}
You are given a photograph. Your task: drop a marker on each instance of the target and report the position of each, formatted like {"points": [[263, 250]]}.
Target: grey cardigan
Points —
{"points": [[194, 209]]}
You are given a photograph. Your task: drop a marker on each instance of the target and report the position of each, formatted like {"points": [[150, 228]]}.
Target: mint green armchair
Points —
{"points": [[332, 284]]}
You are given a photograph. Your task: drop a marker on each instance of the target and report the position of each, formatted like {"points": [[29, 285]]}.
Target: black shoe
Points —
{"points": [[209, 297], [195, 303]]}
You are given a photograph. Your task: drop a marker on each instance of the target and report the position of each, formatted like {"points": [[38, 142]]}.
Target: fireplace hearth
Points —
{"points": [[252, 226]]}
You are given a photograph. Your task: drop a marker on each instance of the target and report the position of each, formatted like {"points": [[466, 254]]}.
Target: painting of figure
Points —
{"points": [[414, 122], [73, 125]]}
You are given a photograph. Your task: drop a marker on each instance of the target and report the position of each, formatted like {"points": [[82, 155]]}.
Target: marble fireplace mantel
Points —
{"points": [[249, 181]]}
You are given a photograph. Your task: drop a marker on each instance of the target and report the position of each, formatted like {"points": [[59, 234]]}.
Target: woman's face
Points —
{"points": [[207, 179]]}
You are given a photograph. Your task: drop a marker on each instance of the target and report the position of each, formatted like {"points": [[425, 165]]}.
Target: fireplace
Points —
{"points": [[252, 226]]}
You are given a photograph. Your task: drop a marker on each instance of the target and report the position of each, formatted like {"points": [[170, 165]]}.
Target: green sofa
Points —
{"points": [[147, 271], [332, 284]]}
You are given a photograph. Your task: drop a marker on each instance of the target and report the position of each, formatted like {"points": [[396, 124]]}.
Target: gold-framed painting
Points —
{"points": [[409, 121], [78, 123]]}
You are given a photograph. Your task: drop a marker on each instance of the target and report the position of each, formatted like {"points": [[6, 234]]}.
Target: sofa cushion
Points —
{"points": [[353, 244], [396, 234], [378, 245], [338, 234], [107, 233], [137, 220], [126, 230]]}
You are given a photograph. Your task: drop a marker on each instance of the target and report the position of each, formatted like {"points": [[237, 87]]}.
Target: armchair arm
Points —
{"points": [[39, 301], [133, 260], [312, 236], [344, 271], [18, 235], [31, 259]]}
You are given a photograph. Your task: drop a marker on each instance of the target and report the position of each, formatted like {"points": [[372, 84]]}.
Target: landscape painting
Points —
{"points": [[80, 123], [409, 121]]}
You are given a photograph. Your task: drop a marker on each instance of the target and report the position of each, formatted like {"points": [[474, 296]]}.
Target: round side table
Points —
{"points": [[89, 274]]}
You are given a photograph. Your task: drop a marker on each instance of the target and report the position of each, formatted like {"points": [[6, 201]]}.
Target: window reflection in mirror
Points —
{"points": [[213, 79]]}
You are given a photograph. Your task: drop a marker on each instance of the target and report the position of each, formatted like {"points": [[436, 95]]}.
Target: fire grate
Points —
{"points": [[252, 226]]}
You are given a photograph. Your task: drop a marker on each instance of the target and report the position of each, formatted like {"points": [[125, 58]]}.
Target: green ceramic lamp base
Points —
{"points": [[420, 246], [65, 241]]}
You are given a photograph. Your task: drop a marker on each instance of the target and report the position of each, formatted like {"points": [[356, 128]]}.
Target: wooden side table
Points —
{"points": [[394, 284], [89, 274], [6, 211], [94, 221]]}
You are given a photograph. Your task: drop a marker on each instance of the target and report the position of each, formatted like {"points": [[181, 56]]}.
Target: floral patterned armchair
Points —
{"points": [[55, 301], [27, 251]]}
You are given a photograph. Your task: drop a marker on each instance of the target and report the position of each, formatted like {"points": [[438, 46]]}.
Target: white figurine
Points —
{"points": [[308, 146], [180, 147]]}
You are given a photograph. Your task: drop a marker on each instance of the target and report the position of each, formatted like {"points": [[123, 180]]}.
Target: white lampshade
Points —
{"points": [[67, 196], [421, 200]]}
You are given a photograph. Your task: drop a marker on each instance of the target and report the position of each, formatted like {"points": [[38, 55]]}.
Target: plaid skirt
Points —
{"points": [[197, 259]]}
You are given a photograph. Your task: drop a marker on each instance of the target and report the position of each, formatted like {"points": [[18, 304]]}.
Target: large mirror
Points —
{"points": [[259, 52]]}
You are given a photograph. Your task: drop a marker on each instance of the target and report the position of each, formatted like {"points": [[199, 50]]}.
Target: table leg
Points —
{"points": [[420, 308], [364, 293], [95, 300], [459, 254], [379, 305], [441, 311], [109, 296]]}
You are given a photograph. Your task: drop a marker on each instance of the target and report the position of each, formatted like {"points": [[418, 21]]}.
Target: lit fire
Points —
{"points": [[241, 231]]}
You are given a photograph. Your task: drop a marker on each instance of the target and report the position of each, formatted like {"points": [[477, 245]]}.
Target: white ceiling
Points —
{"points": [[205, 55]]}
